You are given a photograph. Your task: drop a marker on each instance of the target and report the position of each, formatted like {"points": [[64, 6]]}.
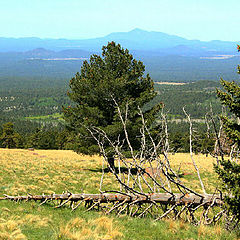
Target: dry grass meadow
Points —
{"points": [[55, 171]]}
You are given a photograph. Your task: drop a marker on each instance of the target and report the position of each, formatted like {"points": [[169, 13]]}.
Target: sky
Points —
{"points": [[80, 19]]}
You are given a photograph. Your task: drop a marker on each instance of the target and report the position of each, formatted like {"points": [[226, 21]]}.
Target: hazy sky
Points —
{"points": [[192, 19]]}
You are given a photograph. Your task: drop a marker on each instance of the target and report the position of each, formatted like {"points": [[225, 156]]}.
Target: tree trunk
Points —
{"points": [[110, 160], [164, 198]]}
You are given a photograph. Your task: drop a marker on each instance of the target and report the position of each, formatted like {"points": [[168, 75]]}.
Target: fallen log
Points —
{"points": [[162, 198], [158, 205]]}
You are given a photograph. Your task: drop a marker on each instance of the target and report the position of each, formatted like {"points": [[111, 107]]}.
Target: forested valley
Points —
{"points": [[35, 75], [37, 121]]}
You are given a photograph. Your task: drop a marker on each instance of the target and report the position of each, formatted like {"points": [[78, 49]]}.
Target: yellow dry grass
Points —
{"points": [[175, 226], [203, 231], [49, 171], [11, 224], [184, 163], [184, 159], [100, 228]]}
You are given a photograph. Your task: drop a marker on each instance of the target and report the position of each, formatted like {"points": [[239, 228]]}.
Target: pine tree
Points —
{"points": [[9, 138], [116, 76], [229, 171]]}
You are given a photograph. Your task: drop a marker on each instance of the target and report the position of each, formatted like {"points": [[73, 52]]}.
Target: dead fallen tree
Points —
{"points": [[148, 184], [162, 198], [158, 205]]}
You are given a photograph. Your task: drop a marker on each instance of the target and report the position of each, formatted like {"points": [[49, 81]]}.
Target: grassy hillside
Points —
{"points": [[49, 171]]}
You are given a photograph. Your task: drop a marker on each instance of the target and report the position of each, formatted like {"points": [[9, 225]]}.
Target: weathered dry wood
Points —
{"points": [[163, 198]]}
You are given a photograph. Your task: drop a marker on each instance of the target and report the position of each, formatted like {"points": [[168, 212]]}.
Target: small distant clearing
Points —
{"points": [[219, 57], [170, 83]]}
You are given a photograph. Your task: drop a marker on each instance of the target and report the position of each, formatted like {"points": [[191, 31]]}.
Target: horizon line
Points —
{"points": [[135, 29]]}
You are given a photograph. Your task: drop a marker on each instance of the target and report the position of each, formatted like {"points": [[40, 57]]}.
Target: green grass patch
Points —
{"points": [[45, 222], [45, 102], [55, 116]]}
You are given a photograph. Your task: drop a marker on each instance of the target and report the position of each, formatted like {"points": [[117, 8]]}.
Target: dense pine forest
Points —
{"points": [[37, 121]]}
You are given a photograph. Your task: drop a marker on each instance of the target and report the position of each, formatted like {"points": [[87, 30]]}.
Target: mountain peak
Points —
{"points": [[138, 30], [39, 52]]}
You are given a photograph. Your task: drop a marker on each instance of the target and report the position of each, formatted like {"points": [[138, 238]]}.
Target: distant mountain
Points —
{"points": [[136, 40], [45, 53], [166, 57], [38, 52], [143, 40]]}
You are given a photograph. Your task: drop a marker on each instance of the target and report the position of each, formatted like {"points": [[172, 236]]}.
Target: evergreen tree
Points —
{"points": [[114, 76], [206, 143], [34, 139], [9, 138], [229, 171], [62, 138], [176, 142], [43, 139]]}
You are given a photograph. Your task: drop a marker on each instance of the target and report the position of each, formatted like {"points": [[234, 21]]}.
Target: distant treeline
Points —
{"points": [[36, 115], [40, 138], [197, 98], [52, 137], [32, 102]]}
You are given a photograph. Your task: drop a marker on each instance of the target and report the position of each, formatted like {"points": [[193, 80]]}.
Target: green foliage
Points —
{"points": [[21, 106], [9, 138], [206, 143], [42, 139], [39, 138], [231, 98], [202, 142], [228, 171], [196, 97], [116, 76]]}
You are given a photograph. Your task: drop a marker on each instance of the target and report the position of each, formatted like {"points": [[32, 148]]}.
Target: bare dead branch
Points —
{"points": [[191, 152]]}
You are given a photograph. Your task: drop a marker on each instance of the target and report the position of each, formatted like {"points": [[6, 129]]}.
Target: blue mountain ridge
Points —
{"points": [[136, 40]]}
